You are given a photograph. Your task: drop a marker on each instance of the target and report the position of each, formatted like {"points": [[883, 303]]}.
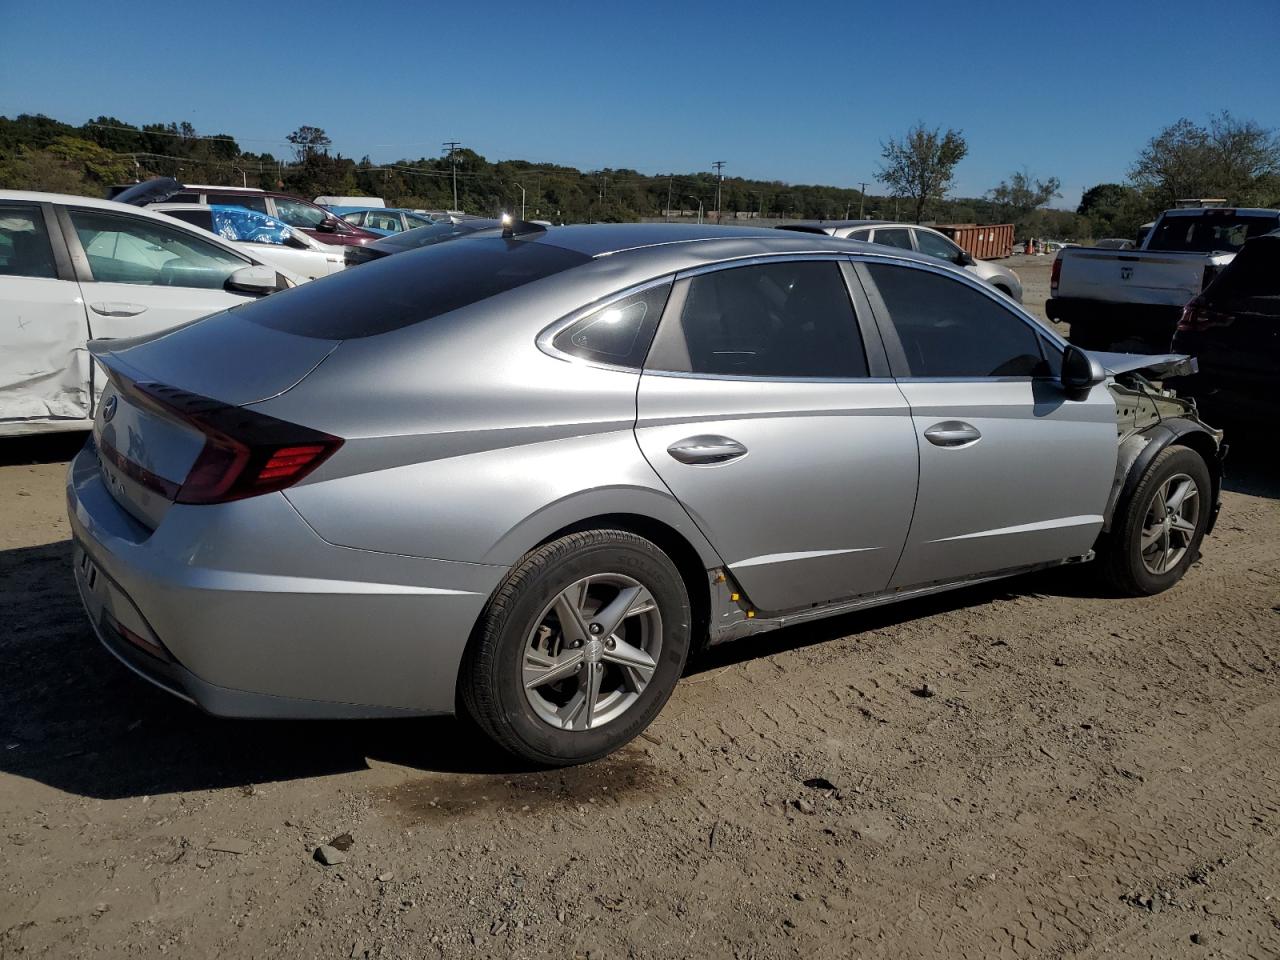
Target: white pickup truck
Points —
{"points": [[1131, 299]]}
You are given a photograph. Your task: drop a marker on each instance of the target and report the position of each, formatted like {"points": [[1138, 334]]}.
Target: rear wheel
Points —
{"points": [[579, 648], [1156, 536]]}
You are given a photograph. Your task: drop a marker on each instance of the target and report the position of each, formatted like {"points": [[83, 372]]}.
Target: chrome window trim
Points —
{"points": [[545, 339]]}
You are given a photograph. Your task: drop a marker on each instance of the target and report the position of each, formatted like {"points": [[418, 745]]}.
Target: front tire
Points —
{"points": [[1155, 536], [579, 648]]}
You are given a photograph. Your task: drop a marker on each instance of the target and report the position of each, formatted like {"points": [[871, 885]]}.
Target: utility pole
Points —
{"points": [[699, 199], [521, 200], [719, 165], [668, 216], [451, 146], [862, 196]]}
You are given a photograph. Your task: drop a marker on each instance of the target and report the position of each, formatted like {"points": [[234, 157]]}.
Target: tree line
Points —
{"points": [[1225, 157]]}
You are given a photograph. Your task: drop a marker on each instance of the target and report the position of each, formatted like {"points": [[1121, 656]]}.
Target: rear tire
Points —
{"points": [[554, 615], [1155, 536]]}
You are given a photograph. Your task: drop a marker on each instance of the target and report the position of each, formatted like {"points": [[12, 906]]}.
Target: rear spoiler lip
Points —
{"points": [[107, 353], [1152, 365]]}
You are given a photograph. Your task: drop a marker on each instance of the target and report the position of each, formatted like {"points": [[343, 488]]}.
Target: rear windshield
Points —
{"points": [[436, 233], [1224, 231], [408, 288]]}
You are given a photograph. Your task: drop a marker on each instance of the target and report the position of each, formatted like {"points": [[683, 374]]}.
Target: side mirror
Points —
{"points": [[257, 279], [964, 258], [327, 225], [1081, 372]]}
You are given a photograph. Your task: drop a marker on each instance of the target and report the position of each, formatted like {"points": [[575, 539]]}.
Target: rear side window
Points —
{"points": [[247, 200], [785, 319], [24, 243], [892, 237], [408, 288], [619, 333], [949, 329]]}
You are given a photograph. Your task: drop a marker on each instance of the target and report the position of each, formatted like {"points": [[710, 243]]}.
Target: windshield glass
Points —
{"points": [[1208, 232]]}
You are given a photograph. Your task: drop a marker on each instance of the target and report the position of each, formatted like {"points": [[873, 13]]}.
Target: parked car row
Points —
{"points": [[1132, 299]]}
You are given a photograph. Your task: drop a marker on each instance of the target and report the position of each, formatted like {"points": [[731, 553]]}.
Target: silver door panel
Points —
{"points": [[1031, 488], [817, 507]]}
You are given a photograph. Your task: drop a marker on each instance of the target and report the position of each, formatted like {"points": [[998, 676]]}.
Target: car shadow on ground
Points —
{"points": [[74, 718]]}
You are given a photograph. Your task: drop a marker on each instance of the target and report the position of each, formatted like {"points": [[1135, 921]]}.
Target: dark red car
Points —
{"points": [[303, 214]]}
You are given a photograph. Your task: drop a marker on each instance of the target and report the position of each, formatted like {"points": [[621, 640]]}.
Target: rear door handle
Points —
{"points": [[952, 433], [706, 448], [117, 309]]}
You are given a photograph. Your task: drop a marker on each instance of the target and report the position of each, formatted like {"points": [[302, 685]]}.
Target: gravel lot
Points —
{"points": [[1090, 777]]}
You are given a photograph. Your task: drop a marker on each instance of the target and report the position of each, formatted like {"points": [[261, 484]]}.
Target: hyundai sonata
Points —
{"points": [[526, 475]]}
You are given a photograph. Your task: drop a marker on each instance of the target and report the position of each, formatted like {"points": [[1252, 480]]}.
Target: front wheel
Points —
{"points": [[1156, 536], [578, 649]]}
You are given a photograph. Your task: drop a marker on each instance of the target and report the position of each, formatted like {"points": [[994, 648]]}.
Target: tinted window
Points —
{"points": [[936, 246], [892, 237], [1207, 232], [786, 319], [436, 233], [949, 329], [135, 250], [417, 220], [247, 200], [619, 333], [398, 291], [24, 243], [197, 218]]}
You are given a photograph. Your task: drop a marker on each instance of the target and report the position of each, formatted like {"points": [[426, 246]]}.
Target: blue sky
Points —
{"points": [[800, 92]]}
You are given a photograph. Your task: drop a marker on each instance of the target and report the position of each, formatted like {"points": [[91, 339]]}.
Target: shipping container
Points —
{"points": [[990, 242]]}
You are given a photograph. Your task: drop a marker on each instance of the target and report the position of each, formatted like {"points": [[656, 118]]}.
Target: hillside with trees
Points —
{"points": [[1226, 157]]}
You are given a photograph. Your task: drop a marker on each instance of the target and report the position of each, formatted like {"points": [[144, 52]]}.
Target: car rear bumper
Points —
{"points": [[1153, 323], [244, 610]]}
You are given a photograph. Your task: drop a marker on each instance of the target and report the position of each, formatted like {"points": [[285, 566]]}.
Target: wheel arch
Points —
{"points": [[690, 563], [1175, 431]]}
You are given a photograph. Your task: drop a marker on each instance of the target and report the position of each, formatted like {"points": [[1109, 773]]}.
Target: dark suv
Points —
{"points": [[296, 212], [1233, 330]]}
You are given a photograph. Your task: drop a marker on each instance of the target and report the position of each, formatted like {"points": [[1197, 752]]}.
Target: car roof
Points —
{"points": [[839, 224], [1222, 211], [31, 196], [698, 244]]}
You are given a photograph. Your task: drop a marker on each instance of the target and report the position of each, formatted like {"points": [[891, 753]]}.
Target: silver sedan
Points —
{"points": [[526, 475]]}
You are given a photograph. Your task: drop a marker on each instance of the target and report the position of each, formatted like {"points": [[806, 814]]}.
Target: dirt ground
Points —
{"points": [[1092, 777]]}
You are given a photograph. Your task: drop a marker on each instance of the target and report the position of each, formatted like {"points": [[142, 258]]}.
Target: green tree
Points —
{"points": [[921, 165], [1237, 160], [308, 141], [1114, 210], [1020, 194]]}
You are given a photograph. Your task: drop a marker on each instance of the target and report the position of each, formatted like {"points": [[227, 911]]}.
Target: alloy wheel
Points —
{"points": [[1169, 526], [592, 652]]}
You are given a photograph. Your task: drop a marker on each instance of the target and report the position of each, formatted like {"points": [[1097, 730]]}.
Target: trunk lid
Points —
{"points": [[147, 451]]}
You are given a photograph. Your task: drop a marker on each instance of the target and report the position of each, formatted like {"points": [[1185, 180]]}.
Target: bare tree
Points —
{"points": [[921, 165], [1020, 194]]}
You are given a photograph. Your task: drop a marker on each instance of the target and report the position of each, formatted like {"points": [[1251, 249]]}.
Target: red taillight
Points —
{"points": [[1055, 274], [1198, 315], [245, 453]]}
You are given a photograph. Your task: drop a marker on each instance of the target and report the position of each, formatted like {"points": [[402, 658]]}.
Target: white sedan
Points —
{"points": [[262, 236], [73, 269]]}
